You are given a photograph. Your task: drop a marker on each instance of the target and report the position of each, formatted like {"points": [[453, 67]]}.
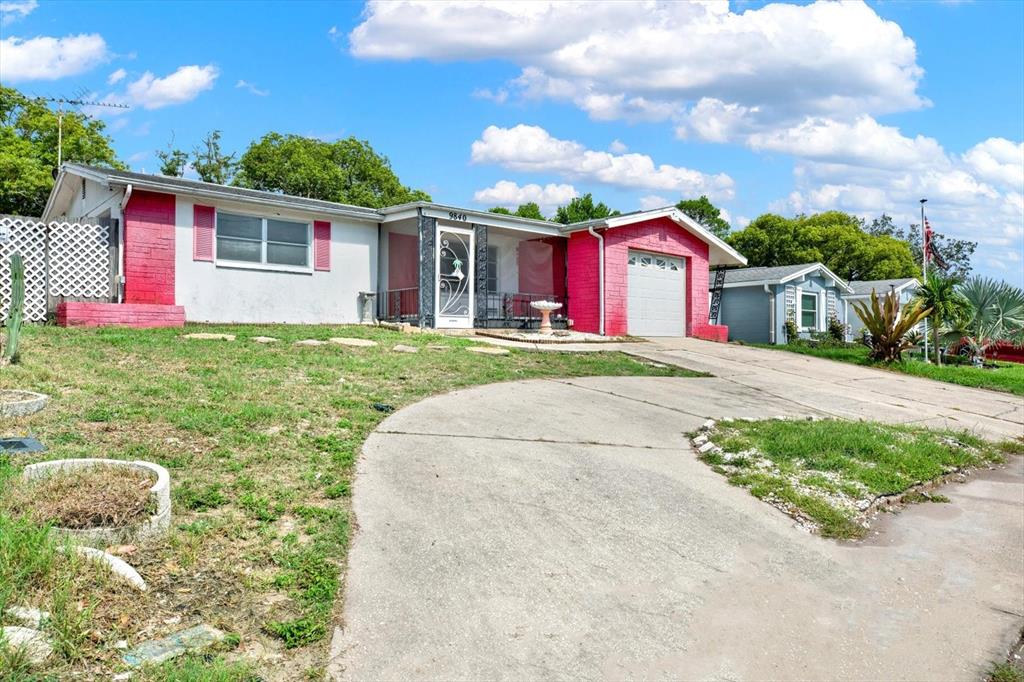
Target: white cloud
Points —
{"points": [[252, 88], [998, 161], [182, 86], [510, 195], [13, 10], [498, 96], [116, 77], [649, 60], [47, 58], [651, 201], [532, 149], [618, 147]]}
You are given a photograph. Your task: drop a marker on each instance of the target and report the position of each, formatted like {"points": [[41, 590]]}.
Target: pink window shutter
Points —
{"points": [[202, 233], [321, 245]]}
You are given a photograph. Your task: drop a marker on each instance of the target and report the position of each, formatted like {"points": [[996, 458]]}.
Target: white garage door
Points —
{"points": [[657, 295]]}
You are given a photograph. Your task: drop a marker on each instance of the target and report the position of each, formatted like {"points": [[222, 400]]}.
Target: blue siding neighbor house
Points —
{"points": [[756, 302], [861, 291]]}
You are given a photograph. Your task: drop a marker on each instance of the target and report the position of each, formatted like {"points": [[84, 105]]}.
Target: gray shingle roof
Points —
{"points": [[764, 274], [880, 286]]}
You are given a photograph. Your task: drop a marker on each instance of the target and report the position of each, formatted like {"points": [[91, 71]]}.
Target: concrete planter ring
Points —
{"points": [[155, 526], [15, 403]]}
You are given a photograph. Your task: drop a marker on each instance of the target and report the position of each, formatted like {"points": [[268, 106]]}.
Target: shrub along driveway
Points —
{"points": [[563, 529]]}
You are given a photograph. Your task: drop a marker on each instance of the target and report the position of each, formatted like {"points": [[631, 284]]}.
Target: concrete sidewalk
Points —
{"points": [[565, 530]]}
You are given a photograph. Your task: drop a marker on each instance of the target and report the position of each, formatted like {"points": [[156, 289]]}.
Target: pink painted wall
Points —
{"points": [[149, 248], [660, 235]]}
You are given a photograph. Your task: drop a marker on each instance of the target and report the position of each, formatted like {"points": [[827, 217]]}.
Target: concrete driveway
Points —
{"points": [[564, 530]]}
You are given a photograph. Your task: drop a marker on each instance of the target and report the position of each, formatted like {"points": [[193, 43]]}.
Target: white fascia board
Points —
{"points": [[443, 212], [51, 200], [817, 266]]}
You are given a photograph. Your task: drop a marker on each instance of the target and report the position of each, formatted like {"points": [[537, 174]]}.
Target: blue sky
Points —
{"points": [[762, 106]]}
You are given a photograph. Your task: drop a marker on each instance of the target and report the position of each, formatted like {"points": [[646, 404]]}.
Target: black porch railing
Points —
{"points": [[399, 305], [503, 309]]}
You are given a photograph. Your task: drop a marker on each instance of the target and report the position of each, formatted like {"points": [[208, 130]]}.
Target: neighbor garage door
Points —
{"points": [[657, 295]]}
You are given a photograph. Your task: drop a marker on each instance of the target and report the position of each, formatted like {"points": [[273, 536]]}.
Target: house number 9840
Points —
{"points": [[457, 216]]}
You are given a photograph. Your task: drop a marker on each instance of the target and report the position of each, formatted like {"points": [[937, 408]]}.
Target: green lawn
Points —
{"points": [[1006, 376], [260, 441], [827, 472]]}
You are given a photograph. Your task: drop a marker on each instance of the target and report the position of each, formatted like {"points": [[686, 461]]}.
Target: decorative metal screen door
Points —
{"points": [[454, 299]]}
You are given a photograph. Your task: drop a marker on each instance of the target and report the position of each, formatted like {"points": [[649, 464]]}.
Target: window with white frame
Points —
{"points": [[809, 311], [262, 241]]}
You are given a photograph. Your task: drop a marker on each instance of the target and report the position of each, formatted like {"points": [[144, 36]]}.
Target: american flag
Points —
{"points": [[929, 252]]}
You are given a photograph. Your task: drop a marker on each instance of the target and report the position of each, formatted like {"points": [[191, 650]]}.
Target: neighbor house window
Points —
{"points": [[264, 241], [809, 311], [492, 268]]}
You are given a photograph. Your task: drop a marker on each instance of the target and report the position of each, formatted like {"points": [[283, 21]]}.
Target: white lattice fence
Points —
{"points": [[78, 256], [79, 260], [27, 237]]}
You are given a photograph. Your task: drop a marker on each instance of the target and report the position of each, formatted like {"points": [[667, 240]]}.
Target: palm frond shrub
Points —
{"points": [[940, 293], [993, 311], [888, 324]]}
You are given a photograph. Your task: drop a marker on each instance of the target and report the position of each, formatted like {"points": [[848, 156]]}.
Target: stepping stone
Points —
{"points": [[206, 336], [118, 567], [30, 617], [488, 350], [405, 349], [346, 341], [36, 645], [159, 650], [264, 339], [310, 342]]}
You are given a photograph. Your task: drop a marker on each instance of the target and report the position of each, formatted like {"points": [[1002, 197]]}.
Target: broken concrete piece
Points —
{"points": [[488, 350], [264, 339], [400, 348], [707, 447], [708, 425], [310, 342], [36, 645], [346, 341], [159, 650], [118, 567], [30, 617], [207, 336], [700, 440]]}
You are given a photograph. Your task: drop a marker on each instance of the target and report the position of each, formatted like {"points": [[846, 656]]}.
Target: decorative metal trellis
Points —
{"points": [[62, 260]]}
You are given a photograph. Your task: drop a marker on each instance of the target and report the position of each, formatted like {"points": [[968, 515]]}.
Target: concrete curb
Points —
{"points": [[28, 403], [117, 566]]}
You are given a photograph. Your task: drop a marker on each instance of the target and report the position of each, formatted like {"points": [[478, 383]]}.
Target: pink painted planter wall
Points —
{"points": [[149, 248], [660, 235], [139, 315]]}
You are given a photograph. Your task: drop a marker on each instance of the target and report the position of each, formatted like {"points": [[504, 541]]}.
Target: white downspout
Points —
{"points": [[771, 313], [120, 243], [600, 275]]}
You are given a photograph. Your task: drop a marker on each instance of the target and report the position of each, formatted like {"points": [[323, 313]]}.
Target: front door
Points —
{"points": [[453, 305]]}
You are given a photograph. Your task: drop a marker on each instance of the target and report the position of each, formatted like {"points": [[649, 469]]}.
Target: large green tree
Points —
{"points": [[707, 214], [348, 171], [527, 210], [581, 209], [209, 162], [834, 238], [28, 149]]}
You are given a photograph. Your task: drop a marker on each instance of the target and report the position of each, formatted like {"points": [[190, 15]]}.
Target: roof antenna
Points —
{"points": [[77, 102]]}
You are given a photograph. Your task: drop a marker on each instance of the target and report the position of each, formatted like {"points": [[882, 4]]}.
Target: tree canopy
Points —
{"points": [[834, 238], [707, 214], [348, 171], [527, 210], [209, 162], [581, 209], [28, 149]]}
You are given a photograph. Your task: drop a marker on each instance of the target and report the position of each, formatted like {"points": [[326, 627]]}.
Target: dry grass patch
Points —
{"points": [[93, 497]]}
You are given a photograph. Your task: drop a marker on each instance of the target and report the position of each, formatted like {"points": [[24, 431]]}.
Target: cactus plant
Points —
{"points": [[16, 313]]}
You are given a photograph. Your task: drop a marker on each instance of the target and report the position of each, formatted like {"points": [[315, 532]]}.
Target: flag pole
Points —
{"points": [[924, 270]]}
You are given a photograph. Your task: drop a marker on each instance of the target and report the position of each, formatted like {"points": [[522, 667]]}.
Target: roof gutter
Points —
{"points": [[600, 275], [120, 243]]}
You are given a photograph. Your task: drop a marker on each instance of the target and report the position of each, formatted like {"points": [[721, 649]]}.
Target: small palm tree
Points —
{"points": [[889, 325], [993, 311], [939, 293]]}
